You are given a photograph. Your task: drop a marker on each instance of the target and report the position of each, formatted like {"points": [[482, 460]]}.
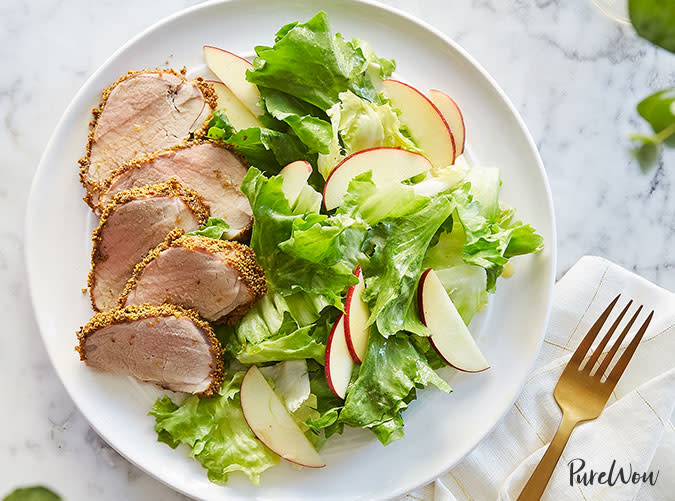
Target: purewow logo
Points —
{"points": [[615, 475]]}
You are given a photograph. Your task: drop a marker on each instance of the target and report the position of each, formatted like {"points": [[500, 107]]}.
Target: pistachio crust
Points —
{"points": [[134, 313]]}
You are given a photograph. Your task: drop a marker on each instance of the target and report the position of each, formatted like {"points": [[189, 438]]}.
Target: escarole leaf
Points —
{"points": [[282, 328], [303, 51], [214, 227], [358, 124], [489, 243], [216, 432], [399, 245], [308, 252], [307, 122], [466, 284], [392, 370], [266, 148]]}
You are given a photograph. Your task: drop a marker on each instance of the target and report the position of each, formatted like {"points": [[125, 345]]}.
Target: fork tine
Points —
{"points": [[601, 346], [617, 344], [586, 343], [621, 365]]}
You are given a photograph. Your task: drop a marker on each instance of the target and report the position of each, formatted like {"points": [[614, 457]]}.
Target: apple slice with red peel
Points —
{"points": [[231, 69], [453, 116], [425, 122], [236, 112], [449, 334], [357, 330], [271, 423], [386, 164], [295, 176], [338, 362]]}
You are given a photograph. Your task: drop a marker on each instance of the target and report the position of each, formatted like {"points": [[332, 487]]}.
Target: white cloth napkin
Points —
{"points": [[635, 429]]}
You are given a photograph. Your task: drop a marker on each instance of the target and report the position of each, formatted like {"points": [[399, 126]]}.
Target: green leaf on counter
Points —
{"points": [[36, 493], [654, 20], [659, 111]]}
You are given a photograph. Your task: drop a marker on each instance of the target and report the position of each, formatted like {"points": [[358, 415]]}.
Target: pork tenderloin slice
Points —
{"points": [[208, 168], [132, 223], [140, 113], [219, 279], [165, 345]]}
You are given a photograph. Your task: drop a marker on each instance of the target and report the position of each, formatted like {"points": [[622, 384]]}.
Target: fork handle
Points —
{"points": [[542, 473]]}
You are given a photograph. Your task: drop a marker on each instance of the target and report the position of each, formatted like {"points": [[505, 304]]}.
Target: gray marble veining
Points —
{"points": [[574, 74]]}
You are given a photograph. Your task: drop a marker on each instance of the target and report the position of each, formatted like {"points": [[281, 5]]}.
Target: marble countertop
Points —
{"points": [[574, 74]]}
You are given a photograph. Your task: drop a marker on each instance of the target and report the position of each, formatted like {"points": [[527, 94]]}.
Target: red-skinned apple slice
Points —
{"points": [[338, 362], [231, 70], [386, 164], [425, 122], [453, 116], [237, 113], [271, 423], [356, 319], [449, 334], [295, 176]]}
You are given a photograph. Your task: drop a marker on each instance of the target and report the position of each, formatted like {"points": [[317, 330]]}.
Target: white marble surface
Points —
{"points": [[574, 74]]}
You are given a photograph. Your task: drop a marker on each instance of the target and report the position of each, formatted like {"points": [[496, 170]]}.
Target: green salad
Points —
{"points": [[391, 209]]}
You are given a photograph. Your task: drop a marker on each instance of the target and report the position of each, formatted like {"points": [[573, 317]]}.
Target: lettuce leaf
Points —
{"points": [[386, 383], [328, 406], [291, 382], [216, 432], [309, 123], [465, 283], [399, 245], [488, 241], [281, 328], [358, 124], [309, 252], [303, 51], [214, 227]]}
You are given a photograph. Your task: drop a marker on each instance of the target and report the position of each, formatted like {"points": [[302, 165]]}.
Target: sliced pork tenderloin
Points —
{"points": [[132, 223], [219, 279], [165, 345], [142, 112], [208, 168]]}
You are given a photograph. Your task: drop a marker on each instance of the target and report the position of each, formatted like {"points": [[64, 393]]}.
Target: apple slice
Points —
{"points": [[231, 69], [386, 164], [295, 176], [236, 112], [453, 116], [271, 423], [357, 314], [425, 122], [449, 334], [338, 363]]}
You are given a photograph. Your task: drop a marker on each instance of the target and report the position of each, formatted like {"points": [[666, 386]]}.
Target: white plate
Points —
{"points": [[440, 429]]}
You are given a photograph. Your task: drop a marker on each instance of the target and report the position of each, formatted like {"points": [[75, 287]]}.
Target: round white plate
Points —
{"points": [[440, 429]]}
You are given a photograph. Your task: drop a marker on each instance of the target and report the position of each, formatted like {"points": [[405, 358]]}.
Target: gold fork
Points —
{"points": [[581, 393]]}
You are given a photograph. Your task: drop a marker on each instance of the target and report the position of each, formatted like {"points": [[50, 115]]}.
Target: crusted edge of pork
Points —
{"points": [[243, 261], [133, 313], [205, 87], [172, 188]]}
